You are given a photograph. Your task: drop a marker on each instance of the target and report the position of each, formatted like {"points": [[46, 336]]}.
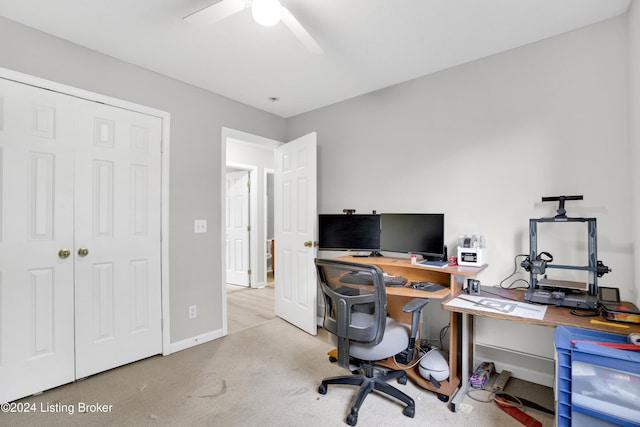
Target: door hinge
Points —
{"points": [[248, 228], [249, 272]]}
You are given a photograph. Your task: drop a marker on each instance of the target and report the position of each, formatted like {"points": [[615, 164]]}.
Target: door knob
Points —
{"points": [[83, 251], [308, 244], [64, 253]]}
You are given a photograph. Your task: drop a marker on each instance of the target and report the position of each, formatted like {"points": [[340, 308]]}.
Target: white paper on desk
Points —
{"points": [[498, 305]]}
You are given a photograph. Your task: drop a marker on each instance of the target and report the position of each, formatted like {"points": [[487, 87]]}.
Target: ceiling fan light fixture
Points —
{"points": [[266, 12]]}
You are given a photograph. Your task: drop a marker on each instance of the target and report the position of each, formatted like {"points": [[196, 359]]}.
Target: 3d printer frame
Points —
{"points": [[594, 267], [536, 266]]}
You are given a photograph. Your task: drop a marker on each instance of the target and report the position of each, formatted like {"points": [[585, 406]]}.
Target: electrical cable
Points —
{"points": [[406, 368], [515, 270], [421, 351], [443, 333], [440, 339], [491, 397]]}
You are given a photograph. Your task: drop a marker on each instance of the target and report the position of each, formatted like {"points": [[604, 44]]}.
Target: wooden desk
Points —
{"points": [[553, 317], [397, 297]]}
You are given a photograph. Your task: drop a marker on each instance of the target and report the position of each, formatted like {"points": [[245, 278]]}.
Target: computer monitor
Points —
{"points": [[354, 232], [415, 233]]}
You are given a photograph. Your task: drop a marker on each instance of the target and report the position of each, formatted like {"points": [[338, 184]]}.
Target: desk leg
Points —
{"points": [[464, 375]]}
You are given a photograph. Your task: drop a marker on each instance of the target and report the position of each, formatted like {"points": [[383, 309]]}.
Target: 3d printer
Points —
{"points": [[560, 292]]}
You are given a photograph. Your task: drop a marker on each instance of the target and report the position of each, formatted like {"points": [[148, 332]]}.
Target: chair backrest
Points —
{"points": [[355, 303]]}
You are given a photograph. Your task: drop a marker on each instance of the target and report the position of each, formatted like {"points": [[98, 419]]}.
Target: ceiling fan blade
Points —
{"points": [[217, 12], [301, 34]]}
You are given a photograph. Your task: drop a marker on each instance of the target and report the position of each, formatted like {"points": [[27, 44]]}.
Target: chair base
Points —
{"points": [[369, 383]]}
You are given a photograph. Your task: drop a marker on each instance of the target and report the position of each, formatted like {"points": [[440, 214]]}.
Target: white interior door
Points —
{"points": [[75, 174], [117, 210], [295, 232], [36, 222], [237, 228]]}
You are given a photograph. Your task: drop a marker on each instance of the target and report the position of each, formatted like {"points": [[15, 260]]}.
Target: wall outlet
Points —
{"points": [[200, 226], [193, 312]]}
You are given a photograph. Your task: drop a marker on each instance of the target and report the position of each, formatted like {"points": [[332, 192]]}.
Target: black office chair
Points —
{"points": [[356, 317]]}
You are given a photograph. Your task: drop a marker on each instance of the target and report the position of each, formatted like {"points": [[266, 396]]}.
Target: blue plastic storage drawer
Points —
{"points": [[605, 383], [566, 352]]}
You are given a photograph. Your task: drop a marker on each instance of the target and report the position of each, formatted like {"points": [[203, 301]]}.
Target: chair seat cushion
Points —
{"points": [[395, 339]]}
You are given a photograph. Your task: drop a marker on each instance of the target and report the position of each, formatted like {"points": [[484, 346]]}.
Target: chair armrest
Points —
{"points": [[415, 308], [415, 304]]}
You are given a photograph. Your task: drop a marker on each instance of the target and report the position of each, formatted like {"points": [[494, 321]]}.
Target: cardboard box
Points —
{"points": [[482, 373]]}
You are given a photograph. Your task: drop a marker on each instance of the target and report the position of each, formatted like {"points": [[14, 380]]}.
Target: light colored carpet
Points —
{"points": [[247, 307], [265, 375]]}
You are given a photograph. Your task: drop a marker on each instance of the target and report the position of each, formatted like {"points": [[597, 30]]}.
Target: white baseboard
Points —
{"points": [[194, 341]]}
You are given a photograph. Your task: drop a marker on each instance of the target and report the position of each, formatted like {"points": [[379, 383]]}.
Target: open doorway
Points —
{"points": [[269, 226], [252, 302], [237, 228]]}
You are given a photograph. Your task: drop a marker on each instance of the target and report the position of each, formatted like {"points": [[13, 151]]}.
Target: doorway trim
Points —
{"points": [[165, 117], [228, 135]]}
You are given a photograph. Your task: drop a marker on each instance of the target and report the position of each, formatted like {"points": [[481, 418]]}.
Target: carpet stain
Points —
{"points": [[297, 391], [222, 391]]}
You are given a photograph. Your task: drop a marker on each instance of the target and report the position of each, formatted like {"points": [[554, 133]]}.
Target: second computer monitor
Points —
{"points": [[349, 232], [421, 234]]}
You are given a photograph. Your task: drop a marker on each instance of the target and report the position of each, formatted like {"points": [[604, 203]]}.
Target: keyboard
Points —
{"points": [[394, 281], [363, 278], [426, 286]]}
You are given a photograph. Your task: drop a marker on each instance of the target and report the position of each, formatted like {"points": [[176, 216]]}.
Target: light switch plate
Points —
{"points": [[200, 226]]}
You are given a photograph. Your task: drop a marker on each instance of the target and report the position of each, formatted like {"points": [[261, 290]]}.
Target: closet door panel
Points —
{"points": [[36, 226], [118, 222]]}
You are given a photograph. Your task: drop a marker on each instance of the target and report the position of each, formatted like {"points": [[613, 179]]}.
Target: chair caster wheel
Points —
{"points": [[443, 397], [332, 359], [352, 419], [409, 411], [322, 389], [402, 380]]}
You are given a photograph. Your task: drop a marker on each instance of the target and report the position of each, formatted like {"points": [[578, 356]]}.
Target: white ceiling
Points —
{"points": [[368, 44]]}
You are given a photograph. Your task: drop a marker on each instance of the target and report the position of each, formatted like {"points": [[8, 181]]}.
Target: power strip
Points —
{"points": [[500, 383]]}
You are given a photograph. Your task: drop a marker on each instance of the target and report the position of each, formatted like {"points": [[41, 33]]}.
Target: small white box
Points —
{"points": [[473, 257]]}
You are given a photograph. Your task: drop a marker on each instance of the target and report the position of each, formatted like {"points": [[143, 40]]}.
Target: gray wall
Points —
{"points": [[197, 117], [483, 142]]}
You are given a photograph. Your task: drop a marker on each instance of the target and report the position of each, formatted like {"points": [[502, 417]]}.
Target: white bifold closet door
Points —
{"points": [[80, 245]]}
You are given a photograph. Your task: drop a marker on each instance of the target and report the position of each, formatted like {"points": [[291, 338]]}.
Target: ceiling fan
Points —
{"points": [[265, 12]]}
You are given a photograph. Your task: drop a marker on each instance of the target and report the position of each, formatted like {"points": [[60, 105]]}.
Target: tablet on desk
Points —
{"points": [[434, 263]]}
